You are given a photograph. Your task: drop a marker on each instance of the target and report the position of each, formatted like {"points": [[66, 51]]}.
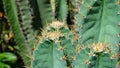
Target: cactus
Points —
{"points": [[61, 10], [54, 47], [93, 41], [19, 18], [45, 11], [98, 37], [99, 21]]}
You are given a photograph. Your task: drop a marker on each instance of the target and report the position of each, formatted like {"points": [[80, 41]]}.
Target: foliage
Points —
{"points": [[7, 57]]}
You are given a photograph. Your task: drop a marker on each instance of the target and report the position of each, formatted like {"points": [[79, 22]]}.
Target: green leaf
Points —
{"points": [[2, 65], [8, 57]]}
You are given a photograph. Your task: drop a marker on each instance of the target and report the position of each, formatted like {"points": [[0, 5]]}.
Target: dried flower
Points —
{"points": [[99, 47], [57, 24], [52, 35]]}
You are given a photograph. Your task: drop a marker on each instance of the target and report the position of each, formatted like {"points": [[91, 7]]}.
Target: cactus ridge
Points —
{"points": [[20, 21]]}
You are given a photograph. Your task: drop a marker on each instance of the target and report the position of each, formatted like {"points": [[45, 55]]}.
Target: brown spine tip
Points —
{"points": [[113, 56], [89, 7], [118, 45], [119, 35], [63, 58], [118, 54], [61, 48], [118, 13], [83, 17], [87, 62]]}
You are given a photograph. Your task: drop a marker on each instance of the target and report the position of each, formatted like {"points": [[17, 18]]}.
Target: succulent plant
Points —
{"points": [[53, 47], [92, 42], [20, 21], [99, 23]]}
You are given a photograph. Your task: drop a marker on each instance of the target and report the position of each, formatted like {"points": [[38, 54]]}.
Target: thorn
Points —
{"points": [[76, 10], [89, 7], [80, 26], [63, 58], [119, 35], [118, 54], [118, 13], [113, 56], [91, 54], [107, 50], [118, 45], [34, 49], [87, 62], [73, 57], [83, 17], [60, 48], [75, 21]]}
